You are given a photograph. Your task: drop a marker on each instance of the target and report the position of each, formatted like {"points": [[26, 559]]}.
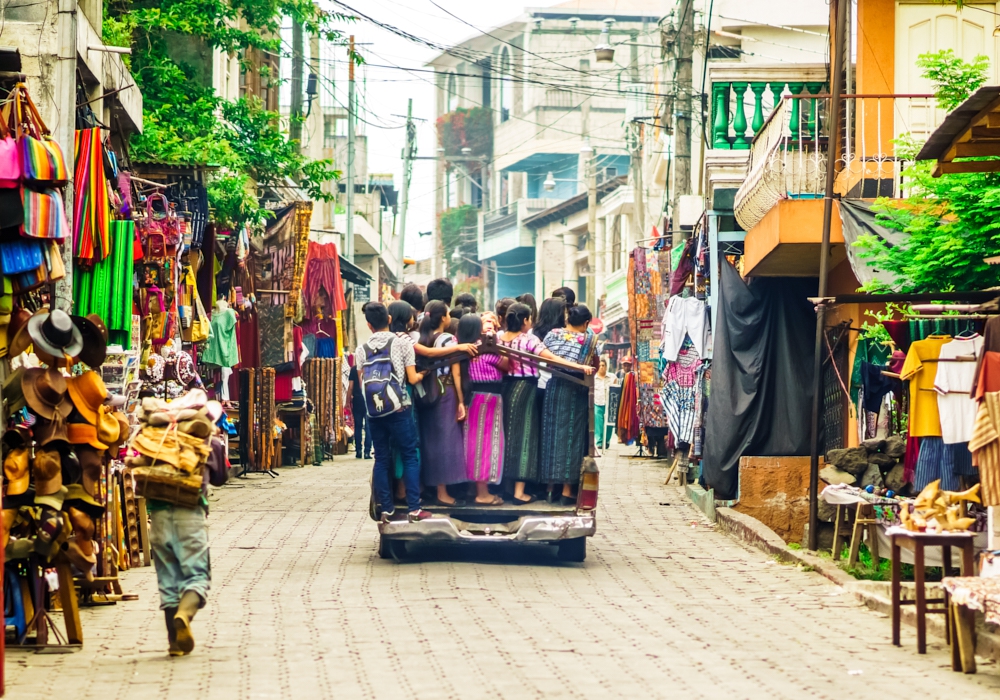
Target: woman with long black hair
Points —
{"points": [[565, 410], [440, 425], [521, 410], [484, 442]]}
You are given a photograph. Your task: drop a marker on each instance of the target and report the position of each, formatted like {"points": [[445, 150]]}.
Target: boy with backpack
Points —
{"points": [[384, 364]]}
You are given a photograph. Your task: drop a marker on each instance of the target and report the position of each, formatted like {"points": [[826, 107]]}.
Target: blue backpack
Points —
{"points": [[381, 389]]}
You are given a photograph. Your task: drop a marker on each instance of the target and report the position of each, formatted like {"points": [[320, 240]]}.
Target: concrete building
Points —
{"points": [[60, 50], [556, 116]]}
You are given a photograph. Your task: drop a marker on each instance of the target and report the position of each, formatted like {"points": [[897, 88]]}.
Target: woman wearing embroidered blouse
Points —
{"points": [[521, 414], [441, 437], [484, 438], [565, 411]]}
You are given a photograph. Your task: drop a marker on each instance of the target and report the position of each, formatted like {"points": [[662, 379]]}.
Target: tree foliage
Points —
{"points": [[951, 222], [458, 228], [186, 123]]}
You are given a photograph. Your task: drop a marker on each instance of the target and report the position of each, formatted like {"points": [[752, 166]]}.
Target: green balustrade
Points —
{"points": [[795, 89], [813, 122], [758, 106], [720, 122], [803, 125], [740, 143]]}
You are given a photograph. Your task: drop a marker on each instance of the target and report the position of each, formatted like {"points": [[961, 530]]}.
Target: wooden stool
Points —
{"points": [[916, 542]]}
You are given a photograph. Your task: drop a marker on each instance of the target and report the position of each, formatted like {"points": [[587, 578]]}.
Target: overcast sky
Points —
{"points": [[383, 92]]}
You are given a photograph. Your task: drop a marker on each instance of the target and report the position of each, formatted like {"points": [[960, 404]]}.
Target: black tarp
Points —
{"points": [[762, 369]]}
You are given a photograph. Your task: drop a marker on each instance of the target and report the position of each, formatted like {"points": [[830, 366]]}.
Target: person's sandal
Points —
{"points": [[497, 501]]}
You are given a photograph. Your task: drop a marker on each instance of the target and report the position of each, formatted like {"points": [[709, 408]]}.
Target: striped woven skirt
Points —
{"points": [[945, 462], [520, 429], [564, 443], [484, 438]]}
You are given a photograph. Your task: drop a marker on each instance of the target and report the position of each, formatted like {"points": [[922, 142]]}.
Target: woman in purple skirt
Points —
{"points": [[441, 441], [484, 427]]}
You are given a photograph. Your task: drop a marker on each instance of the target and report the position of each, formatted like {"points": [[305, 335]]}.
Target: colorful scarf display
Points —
{"points": [[92, 210]]}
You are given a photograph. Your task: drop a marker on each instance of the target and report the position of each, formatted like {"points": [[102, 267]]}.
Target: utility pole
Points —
{"points": [[349, 242], [682, 114], [65, 132], [409, 153], [840, 31], [592, 249], [298, 68]]}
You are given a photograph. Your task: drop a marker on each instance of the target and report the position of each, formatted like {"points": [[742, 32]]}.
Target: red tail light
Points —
{"points": [[587, 499]]}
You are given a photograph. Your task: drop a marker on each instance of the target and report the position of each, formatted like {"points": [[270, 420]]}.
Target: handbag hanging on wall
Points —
{"points": [[10, 156], [42, 161]]}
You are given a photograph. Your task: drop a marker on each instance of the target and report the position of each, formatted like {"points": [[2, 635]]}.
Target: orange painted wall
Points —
{"points": [[876, 69], [790, 221]]}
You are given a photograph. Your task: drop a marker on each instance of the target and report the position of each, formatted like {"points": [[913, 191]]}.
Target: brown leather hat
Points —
{"points": [[47, 432], [47, 470], [18, 320], [45, 392], [84, 434], [95, 339], [15, 470]]}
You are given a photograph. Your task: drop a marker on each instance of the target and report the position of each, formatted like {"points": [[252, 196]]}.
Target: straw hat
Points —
{"points": [[85, 434], [15, 470], [88, 393], [45, 392]]}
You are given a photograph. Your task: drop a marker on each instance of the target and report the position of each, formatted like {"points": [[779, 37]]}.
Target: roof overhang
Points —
{"points": [[352, 273], [972, 130], [573, 204]]}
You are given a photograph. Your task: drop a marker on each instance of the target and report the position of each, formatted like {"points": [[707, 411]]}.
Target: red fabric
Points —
{"points": [[297, 350], [988, 379], [246, 334], [910, 460], [899, 331], [628, 410], [283, 387], [323, 267]]}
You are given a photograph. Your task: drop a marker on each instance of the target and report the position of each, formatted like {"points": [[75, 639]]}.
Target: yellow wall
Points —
{"points": [[876, 70]]}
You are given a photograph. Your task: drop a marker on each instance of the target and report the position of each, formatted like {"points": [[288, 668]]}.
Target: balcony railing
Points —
{"points": [[788, 155], [508, 217], [745, 95], [499, 220]]}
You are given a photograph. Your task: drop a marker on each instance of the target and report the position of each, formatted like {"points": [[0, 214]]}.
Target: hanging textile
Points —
{"points": [[628, 417], [105, 288], [762, 370], [681, 386], [647, 304], [322, 272], [92, 210]]}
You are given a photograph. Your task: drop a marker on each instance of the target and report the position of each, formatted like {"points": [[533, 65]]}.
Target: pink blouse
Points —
{"points": [[483, 368], [525, 342]]}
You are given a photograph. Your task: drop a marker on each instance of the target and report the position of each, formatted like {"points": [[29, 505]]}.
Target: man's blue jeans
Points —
{"points": [[396, 431], [179, 542], [361, 420]]}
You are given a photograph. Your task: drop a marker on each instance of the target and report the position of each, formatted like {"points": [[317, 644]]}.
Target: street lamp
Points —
{"points": [[456, 256], [604, 51], [550, 182]]}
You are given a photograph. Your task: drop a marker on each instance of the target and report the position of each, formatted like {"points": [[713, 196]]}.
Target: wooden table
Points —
{"points": [[303, 416], [916, 542]]}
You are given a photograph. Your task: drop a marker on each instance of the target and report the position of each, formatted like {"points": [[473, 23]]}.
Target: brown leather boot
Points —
{"points": [[189, 605], [169, 614]]}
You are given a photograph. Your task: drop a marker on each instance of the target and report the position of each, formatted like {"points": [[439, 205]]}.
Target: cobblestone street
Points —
{"points": [[665, 606]]}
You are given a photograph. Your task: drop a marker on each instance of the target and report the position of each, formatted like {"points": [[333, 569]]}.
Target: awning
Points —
{"points": [[352, 273], [971, 130]]}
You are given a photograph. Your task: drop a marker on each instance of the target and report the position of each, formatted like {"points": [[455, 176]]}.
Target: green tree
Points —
{"points": [[950, 222], [458, 227], [186, 123]]}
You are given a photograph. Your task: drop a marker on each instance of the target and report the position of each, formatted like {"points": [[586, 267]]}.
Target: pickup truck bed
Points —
{"points": [[534, 522]]}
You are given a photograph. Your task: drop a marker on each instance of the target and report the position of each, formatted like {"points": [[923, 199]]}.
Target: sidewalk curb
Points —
{"points": [[755, 533]]}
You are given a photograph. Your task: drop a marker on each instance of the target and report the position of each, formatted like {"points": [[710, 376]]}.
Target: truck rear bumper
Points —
{"points": [[525, 529]]}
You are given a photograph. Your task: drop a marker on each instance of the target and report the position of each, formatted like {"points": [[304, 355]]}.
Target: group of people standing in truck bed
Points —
{"points": [[485, 429]]}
